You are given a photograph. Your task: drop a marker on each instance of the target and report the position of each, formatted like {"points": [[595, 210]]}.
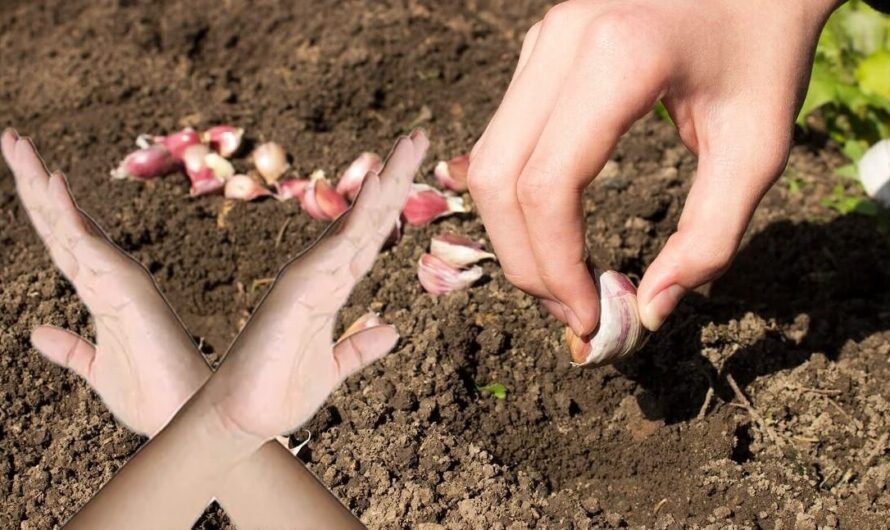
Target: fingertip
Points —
{"points": [[655, 312]]}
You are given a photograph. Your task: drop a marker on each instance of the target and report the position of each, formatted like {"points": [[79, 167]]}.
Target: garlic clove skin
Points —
{"points": [[458, 251], [874, 172], [350, 182], [452, 174], [207, 171], [321, 201], [145, 164], [366, 321], [620, 332], [291, 189], [425, 204], [438, 277], [178, 142], [224, 139], [244, 188], [270, 160]]}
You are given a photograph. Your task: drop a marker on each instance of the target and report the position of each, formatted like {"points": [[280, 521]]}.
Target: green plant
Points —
{"points": [[496, 390], [850, 84]]}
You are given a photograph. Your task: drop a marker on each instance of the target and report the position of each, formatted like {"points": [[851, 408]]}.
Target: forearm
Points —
{"points": [[274, 490], [170, 481]]}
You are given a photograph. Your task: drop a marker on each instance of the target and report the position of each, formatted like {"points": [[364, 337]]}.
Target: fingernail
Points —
{"points": [[661, 306], [574, 322], [13, 132]]}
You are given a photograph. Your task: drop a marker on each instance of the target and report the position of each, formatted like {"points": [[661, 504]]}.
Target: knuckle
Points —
{"points": [[533, 185], [560, 14], [480, 183]]}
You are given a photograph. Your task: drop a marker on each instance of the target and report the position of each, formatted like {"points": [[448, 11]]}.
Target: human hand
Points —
{"points": [[285, 363], [731, 74], [144, 364]]}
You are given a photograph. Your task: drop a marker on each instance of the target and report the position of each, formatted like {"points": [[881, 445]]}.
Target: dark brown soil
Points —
{"points": [[801, 322]]}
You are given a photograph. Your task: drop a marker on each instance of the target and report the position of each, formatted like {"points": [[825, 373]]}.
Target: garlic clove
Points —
{"points": [[224, 139], [270, 160], [291, 189], [438, 277], [426, 204], [321, 201], [145, 164], [178, 142], [350, 182], [244, 188], [452, 174], [458, 251], [366, 321], [206, 170], [620, 332]]}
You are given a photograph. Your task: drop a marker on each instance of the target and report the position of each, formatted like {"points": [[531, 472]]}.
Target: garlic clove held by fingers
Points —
{"points": [[620, 332]]}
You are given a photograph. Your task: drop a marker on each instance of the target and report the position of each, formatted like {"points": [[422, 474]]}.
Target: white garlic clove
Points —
{"points": [[367, 321], [244, 188], [225, 139], [620, 332], [270, 160], [438, 277], [458, 251]]}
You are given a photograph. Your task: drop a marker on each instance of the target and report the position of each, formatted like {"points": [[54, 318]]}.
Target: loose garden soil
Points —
{"points": [[801, 321]]}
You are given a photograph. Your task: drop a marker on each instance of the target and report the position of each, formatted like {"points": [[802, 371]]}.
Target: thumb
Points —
{"points": [[65, 349], [362, 348], [727, 188]]}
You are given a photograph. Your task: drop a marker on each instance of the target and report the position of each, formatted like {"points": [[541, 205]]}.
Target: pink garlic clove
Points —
{"points": [[452, 174], [224, 139], [145, 164], [366, 321], [458, 251], [178, 142], [291, 189], [620, 332], [321, 201], [438, 277], [350, 181], [244, 188], [270, 160], [206, 170], [426, 204]]}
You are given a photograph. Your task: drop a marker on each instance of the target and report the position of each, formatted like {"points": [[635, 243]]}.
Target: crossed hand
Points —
{"points": [[277, 373]]}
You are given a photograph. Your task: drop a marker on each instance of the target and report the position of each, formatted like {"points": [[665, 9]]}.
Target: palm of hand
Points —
{"points": [[285, 364], [144, 365]]}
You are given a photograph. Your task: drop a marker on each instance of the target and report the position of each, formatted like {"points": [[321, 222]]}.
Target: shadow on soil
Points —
{"points": [[828, 280]]}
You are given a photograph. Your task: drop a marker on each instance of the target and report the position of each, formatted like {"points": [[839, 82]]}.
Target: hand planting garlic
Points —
{"points": [[270, 160], [452, 174], [145, 164], [620, 332], [426, 204], [350, 181], [874, 172]]}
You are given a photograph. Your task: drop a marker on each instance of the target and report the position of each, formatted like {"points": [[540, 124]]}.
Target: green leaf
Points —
{"points": [[848, 171], [873, 74], [854, 149], [662, 112], [822, 90], [496, 390]]}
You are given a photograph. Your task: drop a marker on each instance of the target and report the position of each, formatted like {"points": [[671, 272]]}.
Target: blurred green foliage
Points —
{"points": [[850, 85], [496, 390]]}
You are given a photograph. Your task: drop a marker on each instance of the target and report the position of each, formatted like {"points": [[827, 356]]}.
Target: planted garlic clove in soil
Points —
{"points": [[874, 172], [620, 332]]}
